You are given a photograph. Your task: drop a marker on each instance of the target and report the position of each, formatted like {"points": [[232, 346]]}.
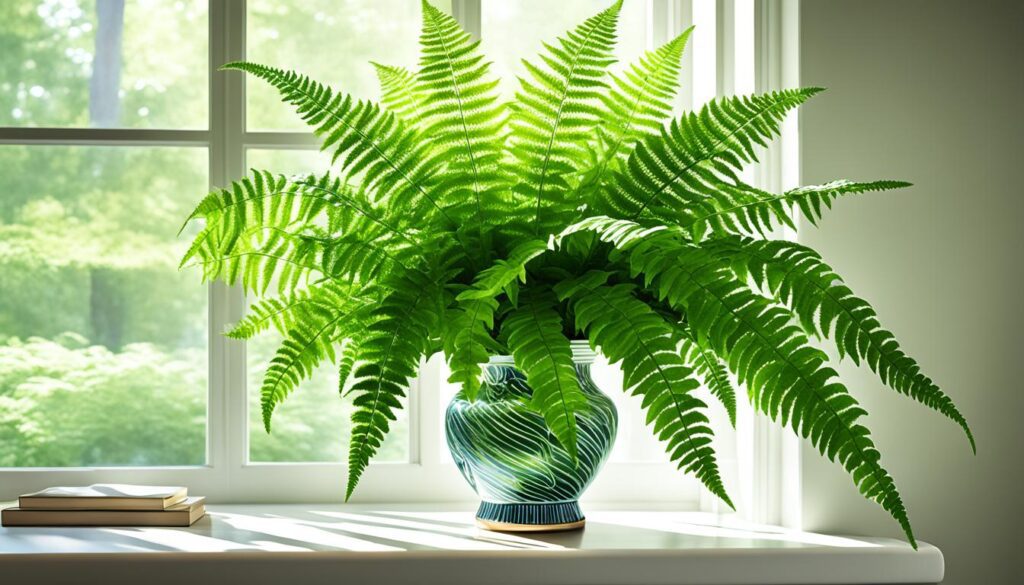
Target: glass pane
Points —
{"points": [[103, 63], [333, 42], [102, 339], [513, 31], [288, 162], [313, 424]]}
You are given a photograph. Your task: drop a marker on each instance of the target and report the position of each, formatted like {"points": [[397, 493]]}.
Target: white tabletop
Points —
{"points": [[383, 545]]}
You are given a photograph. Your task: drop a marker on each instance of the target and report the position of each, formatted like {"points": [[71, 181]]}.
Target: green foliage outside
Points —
{"points": [[455, 223], [103, 356]]}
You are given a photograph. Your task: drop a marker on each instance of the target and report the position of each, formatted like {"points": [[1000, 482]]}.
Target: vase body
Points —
{"points": [[525, 479]]}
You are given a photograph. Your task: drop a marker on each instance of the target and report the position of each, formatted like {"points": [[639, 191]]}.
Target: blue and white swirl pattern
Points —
{"points": [[505, 450]]}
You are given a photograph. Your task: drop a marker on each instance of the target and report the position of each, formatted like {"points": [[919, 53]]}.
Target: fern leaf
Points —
{"points": [[743, 210], [696, 153], [308, 341], [462, 111], [638, 103], [555, 113], [283, 312], [711, 370], [368, 141], [262, 200], [468, 343], [797, 276], [785, 376], [533, 332], [492, 281], [398, 92], [389, 354], [628, 330]]}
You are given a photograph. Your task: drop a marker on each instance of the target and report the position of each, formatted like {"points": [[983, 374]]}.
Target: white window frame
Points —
{"points": [[765, 459]]}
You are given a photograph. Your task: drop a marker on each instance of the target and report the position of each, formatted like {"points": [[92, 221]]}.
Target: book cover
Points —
{"points": [[182, 514], [104, 496]]}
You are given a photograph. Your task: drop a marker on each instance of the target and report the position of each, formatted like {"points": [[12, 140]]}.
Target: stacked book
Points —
{"points": [[106, 504]]}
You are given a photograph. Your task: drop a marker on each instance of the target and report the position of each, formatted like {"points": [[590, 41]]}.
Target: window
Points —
{"points": [[114, 121]]}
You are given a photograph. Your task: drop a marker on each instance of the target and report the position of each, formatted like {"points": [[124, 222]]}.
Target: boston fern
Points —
{"points": [[457, 223]]}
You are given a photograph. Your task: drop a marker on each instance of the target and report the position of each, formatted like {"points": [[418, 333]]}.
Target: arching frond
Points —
{"points": [[785, 376], [369, 142], [696, 154], [309, 339], [712, 371], [638, 103], [282, 313], [398, 92], [389, 353], [533, 332], [797, 276], [626, 329], [555, 112], [462, 111], [495, 279], [744, 210], [468, 342]]}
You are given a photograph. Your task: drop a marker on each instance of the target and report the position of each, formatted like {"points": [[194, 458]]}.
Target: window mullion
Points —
{"points": [[227, 411]]}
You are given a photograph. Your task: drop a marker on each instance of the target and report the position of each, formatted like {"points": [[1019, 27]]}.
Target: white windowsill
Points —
{"points": [[405, 544]]}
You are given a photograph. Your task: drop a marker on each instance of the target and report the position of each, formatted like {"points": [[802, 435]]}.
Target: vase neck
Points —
{"points": [[581, 354]]}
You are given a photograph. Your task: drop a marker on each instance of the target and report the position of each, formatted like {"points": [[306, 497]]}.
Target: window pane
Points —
{"points": [[313, 424], [333, 42], [103, 63], [102, 339], [288, 162], [514, 30]]}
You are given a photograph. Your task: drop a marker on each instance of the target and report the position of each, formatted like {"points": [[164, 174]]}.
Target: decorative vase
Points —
{"points": [[526, 481]]}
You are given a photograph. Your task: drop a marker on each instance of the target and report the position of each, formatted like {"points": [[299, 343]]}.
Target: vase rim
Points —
{"points": [[581, 354]]}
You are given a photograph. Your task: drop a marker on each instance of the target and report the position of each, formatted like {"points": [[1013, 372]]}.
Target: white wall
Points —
{"points": [[931, 92]]}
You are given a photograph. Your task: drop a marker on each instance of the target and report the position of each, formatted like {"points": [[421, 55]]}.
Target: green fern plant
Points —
{"points": [[457, 223]]}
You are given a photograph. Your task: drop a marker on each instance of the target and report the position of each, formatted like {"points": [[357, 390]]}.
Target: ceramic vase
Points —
{"points": [[526, 481]]}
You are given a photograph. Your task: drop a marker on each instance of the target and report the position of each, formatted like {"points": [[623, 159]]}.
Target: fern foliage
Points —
{"points": [[626, 329], [697, 153], [555, 113], [454, 222], [824, 305], [533, 332]]}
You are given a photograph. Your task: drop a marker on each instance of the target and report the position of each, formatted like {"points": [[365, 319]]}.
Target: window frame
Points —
{"points": [[764, 455]]}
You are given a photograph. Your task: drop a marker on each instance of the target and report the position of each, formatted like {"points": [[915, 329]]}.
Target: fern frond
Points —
{"points": [[744, 210], [389, 353], [711, 370], [462, 110], [797, 276], [555, 112], [495, 279], [262, 200], [697, 153], [468, 343], [283, 312], [398, 92], [260, 257], [533, 332], [785, 376], [626, 329], [308, 341], [638, 104], [369, 142]]}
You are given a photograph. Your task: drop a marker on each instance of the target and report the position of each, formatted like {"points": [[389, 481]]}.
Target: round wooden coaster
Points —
{"points": [[507, 527]]}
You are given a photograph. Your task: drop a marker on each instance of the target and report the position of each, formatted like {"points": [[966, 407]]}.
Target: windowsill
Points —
{"points": [[402, 544]]}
